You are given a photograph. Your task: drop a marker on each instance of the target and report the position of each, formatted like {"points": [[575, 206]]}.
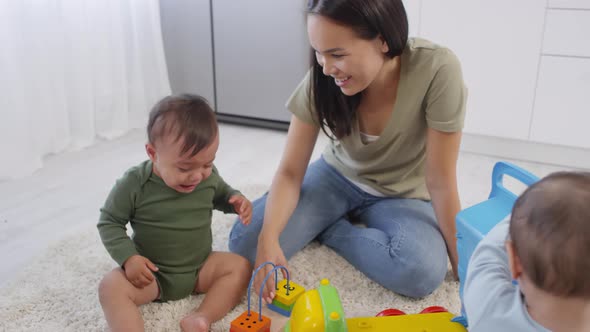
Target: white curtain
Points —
{"points": [[72, 71]]}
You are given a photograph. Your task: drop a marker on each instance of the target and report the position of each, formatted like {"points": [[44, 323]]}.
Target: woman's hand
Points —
{"points": [[268, 251], [453, 255], [454, 262]]}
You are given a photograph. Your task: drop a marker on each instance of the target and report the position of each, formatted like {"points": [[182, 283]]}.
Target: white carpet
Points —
{"points": [[58, 292]]}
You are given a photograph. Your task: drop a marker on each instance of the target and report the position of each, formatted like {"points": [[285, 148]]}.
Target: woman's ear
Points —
{"points": [[513, 260], [384, 46]]}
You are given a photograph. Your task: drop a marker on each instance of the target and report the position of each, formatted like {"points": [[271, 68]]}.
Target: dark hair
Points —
{"points": [[187, 116], [550, 231], [369, 19]]}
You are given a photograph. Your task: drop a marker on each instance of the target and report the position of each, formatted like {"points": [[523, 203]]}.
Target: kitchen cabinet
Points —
{"points": [[261, 55], [498, 44]]}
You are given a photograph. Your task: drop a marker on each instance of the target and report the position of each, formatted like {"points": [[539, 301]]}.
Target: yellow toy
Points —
{"points": [[320, 310], [287, 293]]}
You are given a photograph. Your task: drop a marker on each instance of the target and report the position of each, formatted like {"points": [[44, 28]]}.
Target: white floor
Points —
{"points": [[66, 194]]}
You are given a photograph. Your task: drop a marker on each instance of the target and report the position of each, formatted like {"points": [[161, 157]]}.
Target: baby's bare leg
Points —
{"points": [[119, 300], [224, 278]]}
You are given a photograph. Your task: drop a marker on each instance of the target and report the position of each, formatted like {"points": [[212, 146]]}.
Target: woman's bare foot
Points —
{"points": [[195, 322]]}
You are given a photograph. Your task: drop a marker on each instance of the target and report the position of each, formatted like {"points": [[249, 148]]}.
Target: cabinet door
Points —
{"points": [[570, 4], [567, 32], [562, 111], [261, 54], [186, 33], [499, 45]]}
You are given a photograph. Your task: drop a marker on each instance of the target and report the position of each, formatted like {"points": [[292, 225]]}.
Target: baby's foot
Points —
{"points": [[194, 323]]}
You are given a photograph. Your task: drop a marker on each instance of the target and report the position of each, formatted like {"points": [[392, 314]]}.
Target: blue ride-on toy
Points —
{"points": [[474, 222]]}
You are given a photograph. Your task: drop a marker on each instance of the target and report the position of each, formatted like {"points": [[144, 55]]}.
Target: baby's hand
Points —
{"points": [[243, 207], [138, 271]]}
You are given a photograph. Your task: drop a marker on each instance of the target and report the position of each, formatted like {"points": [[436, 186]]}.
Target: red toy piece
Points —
{"points": [[390, 312], [433, 309]]}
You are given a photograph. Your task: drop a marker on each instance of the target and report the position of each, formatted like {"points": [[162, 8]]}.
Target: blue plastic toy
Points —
{"points": [[475, 222]]}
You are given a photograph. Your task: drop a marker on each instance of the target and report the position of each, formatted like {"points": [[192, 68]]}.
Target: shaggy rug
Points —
{"points": [[58, 292]]}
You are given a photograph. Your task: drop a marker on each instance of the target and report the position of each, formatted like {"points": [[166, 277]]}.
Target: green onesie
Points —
{"points": [[171, 229]]}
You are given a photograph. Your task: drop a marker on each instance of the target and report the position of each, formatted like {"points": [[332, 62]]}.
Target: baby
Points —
{"points": [[546, 248], [168, 200]]}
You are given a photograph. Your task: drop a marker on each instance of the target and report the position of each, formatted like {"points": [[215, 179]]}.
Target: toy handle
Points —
{"points": [[254, 276], [505, 168], [275, 270]]}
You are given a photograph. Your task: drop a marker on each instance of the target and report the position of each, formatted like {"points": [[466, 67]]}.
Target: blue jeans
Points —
{"points": [[401, 247]]}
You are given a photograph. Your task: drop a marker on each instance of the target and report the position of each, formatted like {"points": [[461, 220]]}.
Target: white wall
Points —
{"points": [[527, 68]]}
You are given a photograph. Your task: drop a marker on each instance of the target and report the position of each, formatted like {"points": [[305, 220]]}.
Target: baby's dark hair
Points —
{"points": [[550, 231], [188, 117]]}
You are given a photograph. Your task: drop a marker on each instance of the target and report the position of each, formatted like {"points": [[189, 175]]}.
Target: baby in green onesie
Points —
{"points": [[168, 200]]}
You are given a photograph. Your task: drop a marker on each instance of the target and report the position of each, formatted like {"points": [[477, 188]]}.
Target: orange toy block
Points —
{"points": [[250, 323]]}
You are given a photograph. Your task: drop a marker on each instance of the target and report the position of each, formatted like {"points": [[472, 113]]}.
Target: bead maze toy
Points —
{"points": [[320, 310], [287, 293]]}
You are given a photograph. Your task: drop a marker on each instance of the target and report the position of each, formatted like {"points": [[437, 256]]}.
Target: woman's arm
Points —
{"points": [[286, 184], [442, 151], [283, 196]]}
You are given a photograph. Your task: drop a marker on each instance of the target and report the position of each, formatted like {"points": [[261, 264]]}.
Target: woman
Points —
{"points": [[394, 109]]}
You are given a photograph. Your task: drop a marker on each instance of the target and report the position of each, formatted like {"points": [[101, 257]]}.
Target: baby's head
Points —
{"points": [[182, 141], [550, 236]]}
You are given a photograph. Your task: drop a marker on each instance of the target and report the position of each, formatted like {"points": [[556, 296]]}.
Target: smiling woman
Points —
{"points": [[394, 108], [73, 71]]}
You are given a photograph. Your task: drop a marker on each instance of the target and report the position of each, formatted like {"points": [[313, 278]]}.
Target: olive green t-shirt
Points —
{"points": [[171, 229], [431, 94]]}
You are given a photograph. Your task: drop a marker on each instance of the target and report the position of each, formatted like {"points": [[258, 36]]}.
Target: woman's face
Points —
{"points": [[354, 63]]}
